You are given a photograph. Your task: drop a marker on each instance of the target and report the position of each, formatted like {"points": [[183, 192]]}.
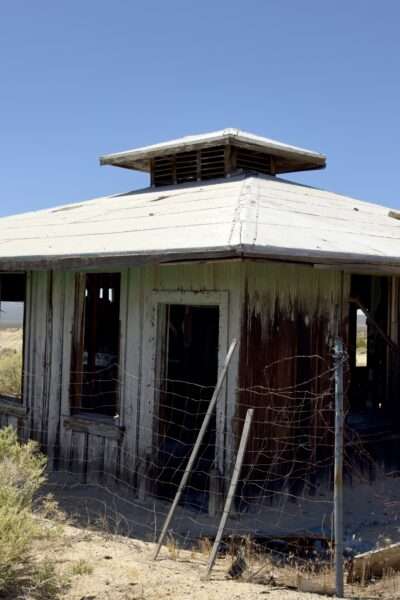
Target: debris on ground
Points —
{"points": [[375, 563]]}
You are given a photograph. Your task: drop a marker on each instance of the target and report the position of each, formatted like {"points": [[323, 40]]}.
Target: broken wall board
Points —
{"points": [[375, 563]]}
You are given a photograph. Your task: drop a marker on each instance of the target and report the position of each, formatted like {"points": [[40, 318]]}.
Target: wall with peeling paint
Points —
{"points": [[276, 310], [290, 316], [101, 448]]}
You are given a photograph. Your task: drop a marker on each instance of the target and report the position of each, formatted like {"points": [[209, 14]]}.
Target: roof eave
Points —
{"points": [[140, 160], [244, 251]]}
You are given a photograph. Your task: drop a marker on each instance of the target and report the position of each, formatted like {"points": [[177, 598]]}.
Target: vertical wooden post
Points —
{"points": [[232, 489], [338, 481], [196, 447], [214, 492]]}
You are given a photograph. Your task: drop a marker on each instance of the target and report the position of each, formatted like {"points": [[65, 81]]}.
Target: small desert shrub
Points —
{"points": [[172, 547], [10, 372], [205, 545], [21, 475], [81, 567]]}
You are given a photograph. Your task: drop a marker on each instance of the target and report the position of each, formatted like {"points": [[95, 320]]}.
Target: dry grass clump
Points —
{"points": [[172, 547], [81, 567], [22, 575], [10, 372]]}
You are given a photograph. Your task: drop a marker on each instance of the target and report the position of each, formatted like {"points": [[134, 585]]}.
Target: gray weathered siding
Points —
{"points": [[118, 450], [275, 309]]}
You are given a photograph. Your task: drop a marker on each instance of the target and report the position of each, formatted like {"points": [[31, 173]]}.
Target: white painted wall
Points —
{"points": [[49, 327]]}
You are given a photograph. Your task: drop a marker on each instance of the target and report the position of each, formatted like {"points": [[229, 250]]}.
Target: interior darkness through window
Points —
{"points": [[370, 401], [12, 310], [99, 349], [189, 373]]}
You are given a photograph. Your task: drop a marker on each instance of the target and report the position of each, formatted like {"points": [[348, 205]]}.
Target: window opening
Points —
{"points": [[95, 368], [12, 312], [361, 339]]}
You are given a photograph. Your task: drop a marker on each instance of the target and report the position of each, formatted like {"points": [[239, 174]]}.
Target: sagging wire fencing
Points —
{"points": [[280, 515]]}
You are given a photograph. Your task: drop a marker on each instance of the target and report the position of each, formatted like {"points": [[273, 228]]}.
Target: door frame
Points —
{"points": [[153, 330]]}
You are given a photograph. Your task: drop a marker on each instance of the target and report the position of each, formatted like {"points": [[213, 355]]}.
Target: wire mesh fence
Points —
{"points": [[280, 521]]}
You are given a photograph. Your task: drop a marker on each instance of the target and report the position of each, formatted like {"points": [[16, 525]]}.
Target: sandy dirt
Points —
{"points": [[122, 568], [109, 567]]}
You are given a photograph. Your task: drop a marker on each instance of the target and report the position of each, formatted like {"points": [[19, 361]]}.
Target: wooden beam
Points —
{"points": [[232, 490]]}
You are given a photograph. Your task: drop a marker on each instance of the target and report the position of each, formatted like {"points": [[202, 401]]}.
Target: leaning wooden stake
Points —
{"points": [[196, 447], [232, 489], [338, 483]]}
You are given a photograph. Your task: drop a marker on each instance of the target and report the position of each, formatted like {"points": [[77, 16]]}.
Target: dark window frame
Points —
{"points": [[77, 369], [18, 401]]}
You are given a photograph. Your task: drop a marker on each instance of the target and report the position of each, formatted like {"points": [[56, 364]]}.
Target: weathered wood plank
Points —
{"points": [[93, 426], [111, 462], [64, 457], [68, 317], [8, 407], [95, 459], [131, 346], [78, 455], [375, 563], [29, 368], [321, 585], [27, 358], [37, 389], [13, 422], [58, 295]]}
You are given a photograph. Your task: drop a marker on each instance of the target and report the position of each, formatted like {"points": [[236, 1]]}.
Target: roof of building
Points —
{"points": [[292, 157], [255, 216]]}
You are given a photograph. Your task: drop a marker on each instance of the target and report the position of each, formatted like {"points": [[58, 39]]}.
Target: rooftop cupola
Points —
{"points": [[215, 155]]}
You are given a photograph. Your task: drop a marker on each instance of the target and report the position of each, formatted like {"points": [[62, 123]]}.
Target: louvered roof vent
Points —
{"points": [[215, 155]]}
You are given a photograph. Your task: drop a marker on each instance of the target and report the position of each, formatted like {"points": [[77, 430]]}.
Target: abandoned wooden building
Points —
{"points": [[114, 309]]}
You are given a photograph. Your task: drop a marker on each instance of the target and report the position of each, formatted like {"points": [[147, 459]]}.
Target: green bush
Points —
{"points": [[21, 475]]}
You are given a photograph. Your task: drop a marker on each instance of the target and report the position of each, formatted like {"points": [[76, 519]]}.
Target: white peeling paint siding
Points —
{"points": [[101, 453]]}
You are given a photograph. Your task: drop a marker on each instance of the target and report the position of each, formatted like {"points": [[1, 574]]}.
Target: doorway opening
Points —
{"points": [[188, 371]]}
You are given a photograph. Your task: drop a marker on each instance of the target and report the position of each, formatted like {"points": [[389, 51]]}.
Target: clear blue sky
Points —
{"points": [[82, 78]]}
